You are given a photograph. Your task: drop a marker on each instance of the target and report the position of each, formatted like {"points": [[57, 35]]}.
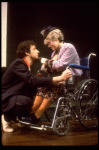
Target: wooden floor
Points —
{"points": [[77, 136]]}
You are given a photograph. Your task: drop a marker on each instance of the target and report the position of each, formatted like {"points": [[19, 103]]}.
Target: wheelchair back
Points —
{"points": [[84, 65]]}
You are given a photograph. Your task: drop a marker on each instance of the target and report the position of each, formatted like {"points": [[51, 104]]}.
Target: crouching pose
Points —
{"points": [[19, 87]]}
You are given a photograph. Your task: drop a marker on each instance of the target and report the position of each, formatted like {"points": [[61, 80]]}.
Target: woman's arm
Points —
{"points": [[66, 58]]}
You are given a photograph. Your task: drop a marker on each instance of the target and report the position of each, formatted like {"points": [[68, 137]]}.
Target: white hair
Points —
{"points": [[53, 35]]}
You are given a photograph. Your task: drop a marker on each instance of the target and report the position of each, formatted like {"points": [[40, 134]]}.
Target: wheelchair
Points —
{"points": [[78, 100]]}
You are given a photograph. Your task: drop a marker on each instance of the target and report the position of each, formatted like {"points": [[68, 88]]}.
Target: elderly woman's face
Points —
{"points": [[54, 45]]}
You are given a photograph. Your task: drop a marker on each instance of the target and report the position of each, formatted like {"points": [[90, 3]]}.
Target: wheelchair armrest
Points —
{"points": [[79, 66]]}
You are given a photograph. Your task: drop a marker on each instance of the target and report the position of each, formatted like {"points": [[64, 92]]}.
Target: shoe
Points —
{"points": [[29, 120], [25, 120], [34, 119], [6, 125]]}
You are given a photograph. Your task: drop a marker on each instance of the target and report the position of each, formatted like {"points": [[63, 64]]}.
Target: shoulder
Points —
{"points": [[18, 61], [67, 49], [68, 45]]}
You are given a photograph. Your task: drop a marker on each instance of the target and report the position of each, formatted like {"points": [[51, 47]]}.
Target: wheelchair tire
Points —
{"points": [[61, 126], [87, 103]]}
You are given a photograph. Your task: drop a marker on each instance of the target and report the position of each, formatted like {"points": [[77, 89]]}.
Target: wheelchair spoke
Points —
{"points": [[91, 102], [86, 111], [61, 126], [88, 106]]}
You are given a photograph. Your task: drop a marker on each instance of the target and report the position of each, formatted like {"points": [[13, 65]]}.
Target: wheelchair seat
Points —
{"points": [[72, 82]]}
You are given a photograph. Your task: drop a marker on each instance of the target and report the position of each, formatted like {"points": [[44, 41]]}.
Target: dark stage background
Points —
{"points": [[77, 20]]}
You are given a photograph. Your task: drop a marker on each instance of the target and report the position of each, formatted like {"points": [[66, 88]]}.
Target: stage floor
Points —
{"points": [[77, 136]]}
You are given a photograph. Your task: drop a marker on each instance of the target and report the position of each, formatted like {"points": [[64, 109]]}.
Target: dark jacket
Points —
{"points": [[18, 80]]}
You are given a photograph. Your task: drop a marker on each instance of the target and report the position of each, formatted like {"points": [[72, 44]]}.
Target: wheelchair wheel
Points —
{"points": [[87, 103], [61, 126]]}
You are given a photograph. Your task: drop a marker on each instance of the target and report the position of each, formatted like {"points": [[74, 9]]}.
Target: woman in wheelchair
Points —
{"points": [[63, 55]]}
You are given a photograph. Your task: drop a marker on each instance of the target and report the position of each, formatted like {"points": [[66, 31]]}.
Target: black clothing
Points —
{"points": [[29, 119], [18, 80], [20, 107]]}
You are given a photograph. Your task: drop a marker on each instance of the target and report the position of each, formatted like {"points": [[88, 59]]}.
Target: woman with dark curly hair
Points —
{"points": [[19, 86]]}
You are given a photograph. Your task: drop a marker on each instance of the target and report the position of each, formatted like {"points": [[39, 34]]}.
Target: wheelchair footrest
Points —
{"points": [[72, 82], [39, 128], [35, 126]]}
